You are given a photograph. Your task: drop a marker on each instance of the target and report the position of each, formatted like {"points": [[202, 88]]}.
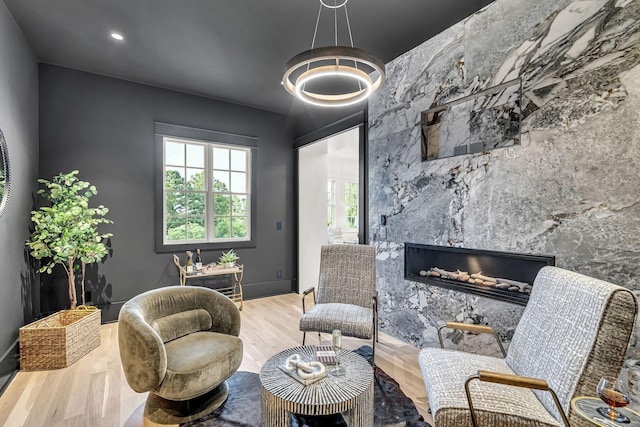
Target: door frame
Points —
{"points": [[358, 120]]}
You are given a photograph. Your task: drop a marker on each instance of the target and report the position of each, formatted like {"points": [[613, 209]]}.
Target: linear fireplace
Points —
{"points": [[504, 276]]}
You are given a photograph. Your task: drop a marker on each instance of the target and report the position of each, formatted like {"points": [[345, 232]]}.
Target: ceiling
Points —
{"points": [[232, 50]]}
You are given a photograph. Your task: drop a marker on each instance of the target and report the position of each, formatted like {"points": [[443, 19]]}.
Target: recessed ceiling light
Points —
{"points": [[117, 36]]}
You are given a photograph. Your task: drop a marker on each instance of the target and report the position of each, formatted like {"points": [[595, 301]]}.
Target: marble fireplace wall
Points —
{"points": [[571, 189]]}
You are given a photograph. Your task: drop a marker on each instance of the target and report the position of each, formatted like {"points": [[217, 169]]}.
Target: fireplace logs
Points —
{"points": [[478, 279]]}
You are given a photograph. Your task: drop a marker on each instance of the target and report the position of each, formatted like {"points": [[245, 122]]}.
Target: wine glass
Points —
{"points": [[614, 393], [336, 336]]}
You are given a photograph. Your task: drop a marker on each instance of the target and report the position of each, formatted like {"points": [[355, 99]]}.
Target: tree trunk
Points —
{"points": [[72, 285], [84, 264]]}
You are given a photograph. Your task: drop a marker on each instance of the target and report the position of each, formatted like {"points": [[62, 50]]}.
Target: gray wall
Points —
{"points": [[570, 189], [19, 123], [105, 128]]}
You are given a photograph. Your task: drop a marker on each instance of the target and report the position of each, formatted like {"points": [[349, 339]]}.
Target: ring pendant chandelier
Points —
{"points": [[359, 72]]}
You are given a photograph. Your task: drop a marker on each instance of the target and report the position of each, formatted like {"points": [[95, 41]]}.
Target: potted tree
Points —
{"points": [[65, 233]]}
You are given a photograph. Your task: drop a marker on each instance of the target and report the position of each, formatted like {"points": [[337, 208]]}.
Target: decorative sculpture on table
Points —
{"points": [[305, 370]]}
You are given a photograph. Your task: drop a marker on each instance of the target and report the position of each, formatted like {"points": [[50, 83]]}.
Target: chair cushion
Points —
{"points": [[445, 372], [199, 362], [180, 324], [352, 320]]}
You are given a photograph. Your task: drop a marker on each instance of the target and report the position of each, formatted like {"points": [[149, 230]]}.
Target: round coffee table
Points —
{"points": [[283, 395]]}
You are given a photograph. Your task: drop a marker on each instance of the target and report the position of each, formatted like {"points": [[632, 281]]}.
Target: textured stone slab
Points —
{"points": [[571, 189]]}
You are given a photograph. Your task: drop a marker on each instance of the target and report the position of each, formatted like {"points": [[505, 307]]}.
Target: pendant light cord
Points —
{"points": [[335, 20], [346, 14], [335, 24], [355, 63], [315, 32]]}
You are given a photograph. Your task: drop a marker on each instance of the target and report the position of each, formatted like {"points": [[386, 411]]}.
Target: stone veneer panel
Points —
{"points": [[571, 189]]}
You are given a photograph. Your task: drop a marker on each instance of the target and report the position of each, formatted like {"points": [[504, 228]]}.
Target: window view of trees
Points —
{"points": [[351, 204], [230, 212], [185, 206], [187, 193]]}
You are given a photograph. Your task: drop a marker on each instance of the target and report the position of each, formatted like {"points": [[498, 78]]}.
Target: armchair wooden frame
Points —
{"points": [[374, 301], [511, 380], [477, 329]]}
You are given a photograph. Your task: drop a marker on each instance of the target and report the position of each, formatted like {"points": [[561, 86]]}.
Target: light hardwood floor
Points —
{"points": [[94, 392]]}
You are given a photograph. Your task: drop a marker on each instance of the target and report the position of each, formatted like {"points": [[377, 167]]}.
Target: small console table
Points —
{"points": [[234, 292]]}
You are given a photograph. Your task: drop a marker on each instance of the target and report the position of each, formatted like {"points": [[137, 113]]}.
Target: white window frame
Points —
{"points": [[209, 191]]}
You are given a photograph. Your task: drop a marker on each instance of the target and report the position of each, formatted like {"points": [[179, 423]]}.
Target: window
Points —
{"points": [[351, 204], [204, 189], [206, 192], [331, 203]]}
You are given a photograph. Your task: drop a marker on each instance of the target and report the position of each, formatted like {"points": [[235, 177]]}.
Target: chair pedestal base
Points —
{"points": [[164, 411]]}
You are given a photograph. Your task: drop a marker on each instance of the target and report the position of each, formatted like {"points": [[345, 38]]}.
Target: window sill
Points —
{"points": [[183, 247]]}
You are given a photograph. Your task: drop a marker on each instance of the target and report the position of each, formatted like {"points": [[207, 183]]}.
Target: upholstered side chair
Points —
{"points": [[180, 343], [574, 330], [347, 296]]}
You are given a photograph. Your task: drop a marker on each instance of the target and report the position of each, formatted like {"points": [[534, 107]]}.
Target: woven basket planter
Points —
{"points": [[59, 340]]}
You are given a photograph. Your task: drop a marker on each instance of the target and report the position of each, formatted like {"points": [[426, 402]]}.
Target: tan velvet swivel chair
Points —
{"points": [[180, 343], [347, 297], [574, 330]]}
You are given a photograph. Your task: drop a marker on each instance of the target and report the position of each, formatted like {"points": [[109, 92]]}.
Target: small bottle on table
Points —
{"points": [[198, 260], [189, 265]]}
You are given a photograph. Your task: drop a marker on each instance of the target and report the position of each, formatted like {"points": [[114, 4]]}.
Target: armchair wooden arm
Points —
{"points": [[311, 290], [476, 329], [511, 380]]}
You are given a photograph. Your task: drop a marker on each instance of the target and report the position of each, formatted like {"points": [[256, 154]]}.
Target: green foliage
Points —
{"points": [[351, 204], [67, 230], [222, 228], [178, 232], [186, 209], [229, 256]]}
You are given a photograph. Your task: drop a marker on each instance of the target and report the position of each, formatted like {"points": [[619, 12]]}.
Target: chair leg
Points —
{"points": [[375, 329], [373, 353], [375, 338], [304, 336]]}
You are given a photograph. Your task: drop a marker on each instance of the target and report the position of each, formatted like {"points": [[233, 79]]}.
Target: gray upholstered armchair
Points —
{"points": [[180, 343], [574, 330], [347, 297]]}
